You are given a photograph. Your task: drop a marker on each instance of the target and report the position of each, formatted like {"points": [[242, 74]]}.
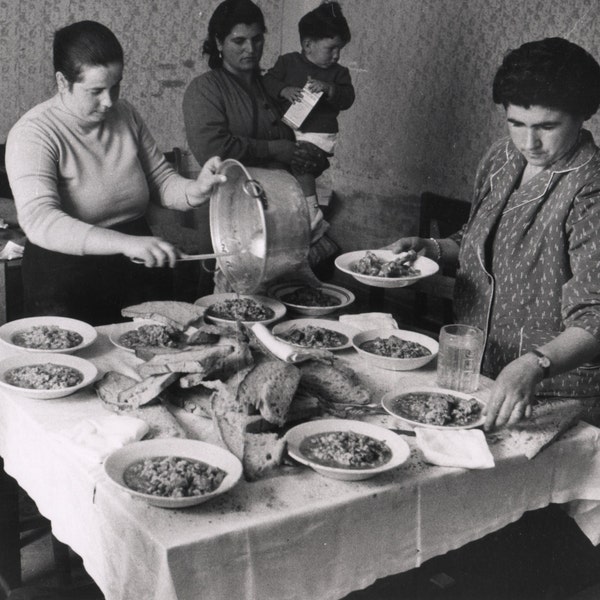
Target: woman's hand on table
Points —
{"points": [[513, 392], [198, 191]]}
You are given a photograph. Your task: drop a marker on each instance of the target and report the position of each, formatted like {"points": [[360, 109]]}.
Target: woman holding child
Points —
{"points": [[229, 112]]}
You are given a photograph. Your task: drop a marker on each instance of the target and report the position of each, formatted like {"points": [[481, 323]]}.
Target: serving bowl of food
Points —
{"points": [[435, 408], [144, 332], [346, 449], [314, 301], [173, 472], [228, 308], [315, 333], [45, 376], [395, 349], [386, 269], [47, 334]]}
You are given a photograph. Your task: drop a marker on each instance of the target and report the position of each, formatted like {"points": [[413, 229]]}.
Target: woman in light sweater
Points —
{"points": [[83, 168]]}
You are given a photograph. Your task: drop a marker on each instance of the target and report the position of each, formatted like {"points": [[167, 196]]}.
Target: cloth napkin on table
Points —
{"points": [[282, 350], [97, 438], [465, 448], [366, 321]]}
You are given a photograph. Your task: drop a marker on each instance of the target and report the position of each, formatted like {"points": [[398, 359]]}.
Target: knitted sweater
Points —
{"points": [[69, 176]]}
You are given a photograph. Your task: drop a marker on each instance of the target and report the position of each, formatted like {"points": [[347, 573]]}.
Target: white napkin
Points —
{"points": [[366, 321], [97, 438], [11, 251], [280, 349], [466, 448]]}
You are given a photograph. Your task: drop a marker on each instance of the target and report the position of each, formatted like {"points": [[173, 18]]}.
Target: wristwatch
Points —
{"points": [[543, 362]]}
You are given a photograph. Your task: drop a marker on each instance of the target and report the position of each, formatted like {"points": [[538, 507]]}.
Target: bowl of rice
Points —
{"points": [[395, 349]]}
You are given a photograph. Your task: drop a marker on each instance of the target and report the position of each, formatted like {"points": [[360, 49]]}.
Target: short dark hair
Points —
{"points": [[225, 17], [553, 73], [325, 21], [84, 43]]}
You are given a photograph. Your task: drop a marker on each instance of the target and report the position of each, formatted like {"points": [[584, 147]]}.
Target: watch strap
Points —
{"points": [[543, 362]]}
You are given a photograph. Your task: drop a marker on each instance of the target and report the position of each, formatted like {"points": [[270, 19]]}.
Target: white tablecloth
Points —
{"points": [[295, 536]]}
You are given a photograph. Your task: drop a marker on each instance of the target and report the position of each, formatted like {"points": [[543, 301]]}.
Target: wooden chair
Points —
{"points": [[440, 216], [11, 292]]}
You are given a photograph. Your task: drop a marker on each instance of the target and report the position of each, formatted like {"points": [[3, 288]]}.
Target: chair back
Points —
{"points": [[439, 217], [5, 191]]}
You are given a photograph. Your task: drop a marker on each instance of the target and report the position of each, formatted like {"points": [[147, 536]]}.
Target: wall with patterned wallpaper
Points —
{"points": [[422, 71]]}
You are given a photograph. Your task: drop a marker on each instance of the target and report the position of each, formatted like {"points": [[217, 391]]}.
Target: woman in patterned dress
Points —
{"points": [[529, 255]]}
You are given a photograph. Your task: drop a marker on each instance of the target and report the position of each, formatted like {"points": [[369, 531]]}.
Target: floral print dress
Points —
{"points": [[530, 259]]}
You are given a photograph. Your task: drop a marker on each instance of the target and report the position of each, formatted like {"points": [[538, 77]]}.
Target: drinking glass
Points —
{"points": [[459, 357]]}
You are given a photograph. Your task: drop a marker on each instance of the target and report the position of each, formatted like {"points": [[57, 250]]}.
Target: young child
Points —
{"points": [[324, 32]]}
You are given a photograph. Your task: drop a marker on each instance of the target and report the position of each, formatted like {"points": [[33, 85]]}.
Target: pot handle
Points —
{"points": [[251, 187]]}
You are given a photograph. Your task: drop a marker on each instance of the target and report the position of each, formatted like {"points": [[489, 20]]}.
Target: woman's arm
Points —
{"points": [[444, 251], [207, 125], [579, 343], [514, 388]]}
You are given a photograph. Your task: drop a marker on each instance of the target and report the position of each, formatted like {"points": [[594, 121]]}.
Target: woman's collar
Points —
{"points": [[579, 156]]}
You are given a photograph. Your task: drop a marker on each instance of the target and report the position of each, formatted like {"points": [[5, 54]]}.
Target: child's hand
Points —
{"points": [[291, 93], [316, 86]]}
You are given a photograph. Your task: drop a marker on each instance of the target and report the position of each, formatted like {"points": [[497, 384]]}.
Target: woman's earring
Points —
{"points": [[220, 54]]}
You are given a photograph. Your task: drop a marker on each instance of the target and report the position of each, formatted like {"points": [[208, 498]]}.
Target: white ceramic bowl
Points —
{"points": [[344, 296], [87, 369], [119, 329], [295, 436], [391, 363], [346, 262], [10, 329], [392, 403], [118, 461], [277, 307], [345, 330]]}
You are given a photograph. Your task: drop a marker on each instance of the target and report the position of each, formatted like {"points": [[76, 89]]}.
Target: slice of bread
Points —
{"points": [[263, 453], [333, 383], [179, 315], [270, 387], [161, 422], [201, 359]]}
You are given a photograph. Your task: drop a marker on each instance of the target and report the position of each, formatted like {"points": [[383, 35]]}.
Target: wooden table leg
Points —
{"points": [[10, 556]]}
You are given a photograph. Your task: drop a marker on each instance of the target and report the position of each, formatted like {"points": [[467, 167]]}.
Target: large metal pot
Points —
{"points": [[260, 216]]}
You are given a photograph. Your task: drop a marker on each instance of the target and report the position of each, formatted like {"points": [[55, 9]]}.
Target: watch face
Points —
{"points": [[544, 362]]}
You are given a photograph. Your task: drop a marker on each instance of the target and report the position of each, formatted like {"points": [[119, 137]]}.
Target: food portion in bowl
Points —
{"points": [[310, 296], [311, 336], [345, 450], [149, 335], [395, 347], [240, 309], [43, 376], [437, 408], [46, 337], [173, 477], [375, 266]]}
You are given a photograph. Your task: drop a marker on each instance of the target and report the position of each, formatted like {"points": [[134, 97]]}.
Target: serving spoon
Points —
{"points": [[186, 257]]}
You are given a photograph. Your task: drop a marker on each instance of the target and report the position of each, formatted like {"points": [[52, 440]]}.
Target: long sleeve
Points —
{"points": [[275, 79], [344, 95], [219, 116], [69, 177]]}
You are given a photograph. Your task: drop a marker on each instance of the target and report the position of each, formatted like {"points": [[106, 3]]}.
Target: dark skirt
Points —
{"points": [[91, 288]]}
